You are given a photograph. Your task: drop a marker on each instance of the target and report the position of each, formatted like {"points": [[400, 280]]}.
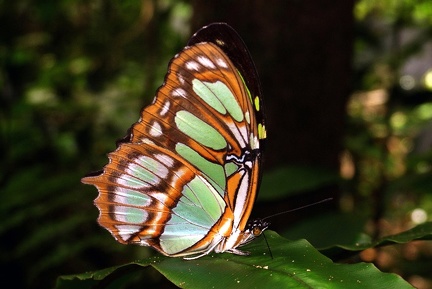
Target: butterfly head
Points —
{"points": [[255, 228]]}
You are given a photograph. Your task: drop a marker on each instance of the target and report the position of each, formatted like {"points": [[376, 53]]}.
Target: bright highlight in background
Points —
{"points": [[418, 216], [407, 82], [428, 79]]}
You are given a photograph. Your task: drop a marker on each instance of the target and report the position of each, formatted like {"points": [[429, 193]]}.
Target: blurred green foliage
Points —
{"points": [[72, 78]]}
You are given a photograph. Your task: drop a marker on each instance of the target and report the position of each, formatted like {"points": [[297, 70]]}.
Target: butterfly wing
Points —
{"points": [[185, 177]]}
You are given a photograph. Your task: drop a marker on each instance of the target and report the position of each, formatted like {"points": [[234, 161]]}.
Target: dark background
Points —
{"points": [[347, 99]]}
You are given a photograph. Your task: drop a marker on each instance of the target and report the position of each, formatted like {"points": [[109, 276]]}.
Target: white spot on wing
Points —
{"points": [[220, 42], [247, 117], [192, 65], [166, 160], [165, 108], [254, 142], [180, 79], [178, 92], [156, 129], [147, 141], [221, 63], [205, 61], [126, 231]]}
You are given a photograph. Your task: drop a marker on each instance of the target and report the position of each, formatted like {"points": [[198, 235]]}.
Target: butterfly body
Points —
{"points": [[185, 178]]}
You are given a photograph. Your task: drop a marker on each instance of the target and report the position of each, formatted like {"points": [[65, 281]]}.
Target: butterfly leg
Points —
{"points": [[238, 252]]}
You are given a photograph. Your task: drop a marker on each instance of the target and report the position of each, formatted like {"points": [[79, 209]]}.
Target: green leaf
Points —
{"points": [[295, 264], [420, 232]]}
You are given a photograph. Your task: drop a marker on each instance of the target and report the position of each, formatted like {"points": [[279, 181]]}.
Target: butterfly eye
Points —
{"points": [[256, 231]]}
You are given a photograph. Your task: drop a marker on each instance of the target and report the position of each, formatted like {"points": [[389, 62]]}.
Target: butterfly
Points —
{"points": [[184, 179]]}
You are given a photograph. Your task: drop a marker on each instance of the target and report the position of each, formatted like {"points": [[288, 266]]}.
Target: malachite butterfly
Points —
{"points": [[185, 178]]}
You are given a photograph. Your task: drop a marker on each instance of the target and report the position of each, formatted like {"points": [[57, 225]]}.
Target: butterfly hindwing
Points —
{"points": [[185, 179]]}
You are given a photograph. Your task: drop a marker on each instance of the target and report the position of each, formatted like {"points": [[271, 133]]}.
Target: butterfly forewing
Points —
{"points": [[185, 179], [199, 106]]}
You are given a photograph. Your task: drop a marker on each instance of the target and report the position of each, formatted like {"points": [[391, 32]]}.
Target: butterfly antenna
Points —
{"points": [[299, 208], [268, 246]]}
